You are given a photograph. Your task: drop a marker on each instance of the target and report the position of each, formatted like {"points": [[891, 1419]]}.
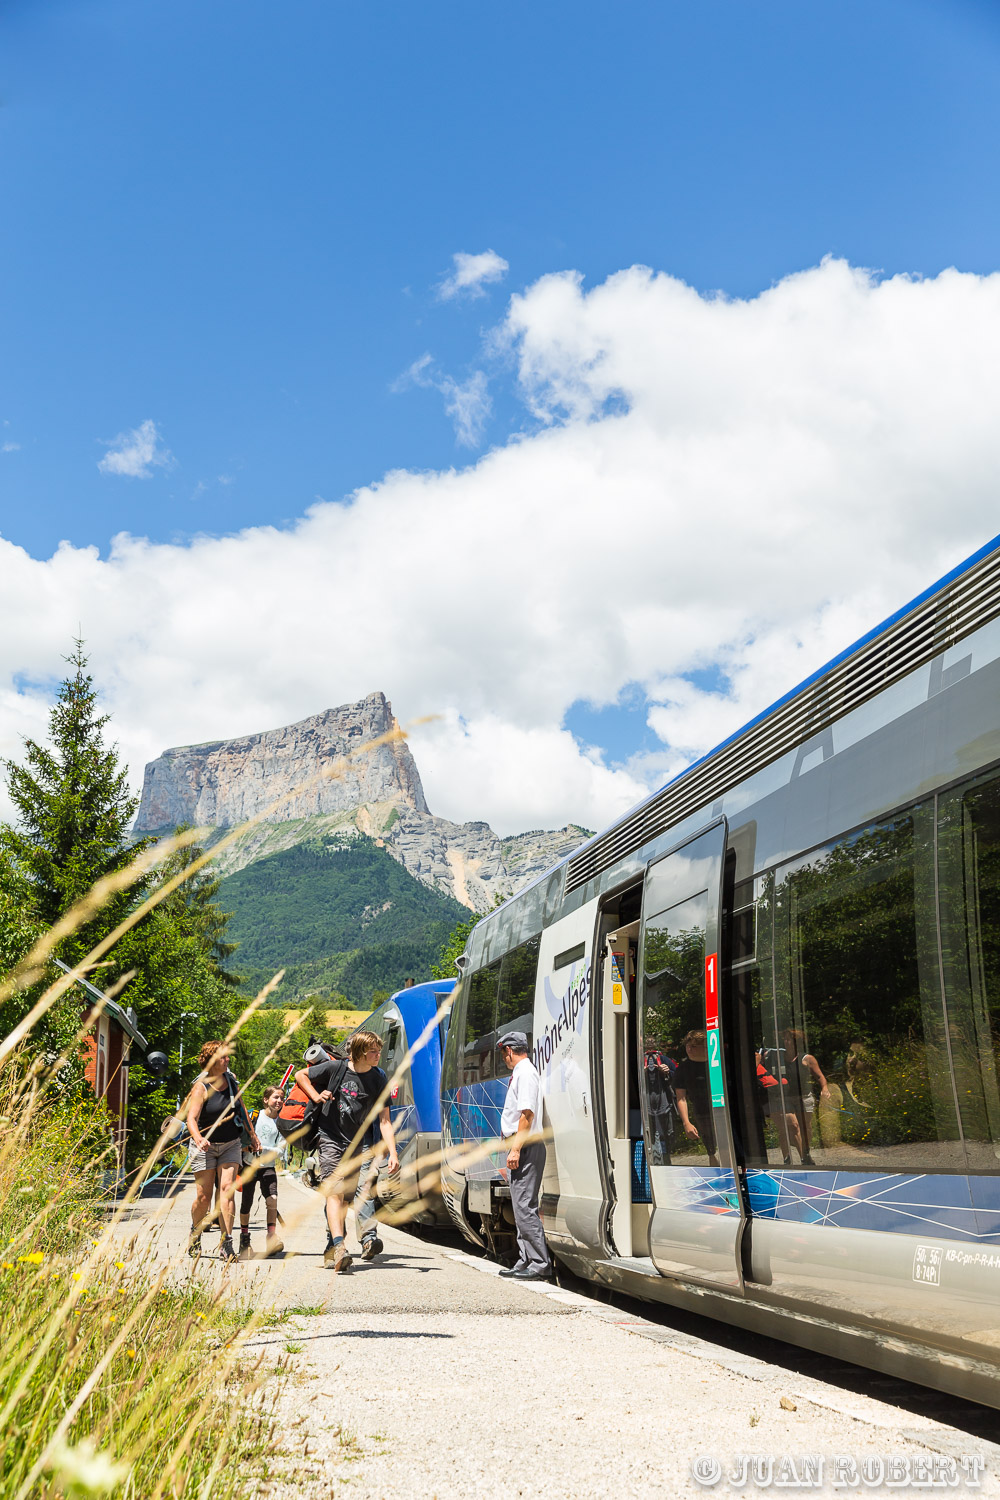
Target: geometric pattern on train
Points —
{"points": [[480, 1107], [906, 1203], [699, 1190]]}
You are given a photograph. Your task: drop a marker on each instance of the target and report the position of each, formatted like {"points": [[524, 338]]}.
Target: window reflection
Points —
{"points": [[860, 1056], [478, 1059], [675, 1057], [516, 992], [969, 883]]}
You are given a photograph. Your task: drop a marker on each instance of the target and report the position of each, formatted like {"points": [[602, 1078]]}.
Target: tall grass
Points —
{"points": [[111, 1382]]}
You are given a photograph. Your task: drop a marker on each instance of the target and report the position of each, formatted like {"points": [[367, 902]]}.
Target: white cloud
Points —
{"points": [[471, 273], [744, 484], [134, 454], [468, 404], [11, 448]]}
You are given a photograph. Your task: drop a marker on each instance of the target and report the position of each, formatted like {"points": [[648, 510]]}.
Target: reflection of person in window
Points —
{"points": [[801, 1068], [694, 1104], [660, 1094]]}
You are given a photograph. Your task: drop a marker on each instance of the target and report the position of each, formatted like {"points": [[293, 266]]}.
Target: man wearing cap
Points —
{"points": [[522, 1112]]}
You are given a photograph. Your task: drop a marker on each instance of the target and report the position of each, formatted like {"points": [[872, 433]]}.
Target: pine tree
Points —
{"points": [[73, 805], [193, 906]]}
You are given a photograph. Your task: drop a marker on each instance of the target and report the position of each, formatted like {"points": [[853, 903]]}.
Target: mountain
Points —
{"points": [[340, 916], [316, 779], [345, 879]]}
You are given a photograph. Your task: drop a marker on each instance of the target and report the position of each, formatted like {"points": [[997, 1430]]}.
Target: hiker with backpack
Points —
{"points": [[342, 1094], [218, 1122]]}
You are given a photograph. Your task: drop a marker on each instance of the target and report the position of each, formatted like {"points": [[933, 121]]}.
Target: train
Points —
{"points": [[765, 1007], [415, 1012]]}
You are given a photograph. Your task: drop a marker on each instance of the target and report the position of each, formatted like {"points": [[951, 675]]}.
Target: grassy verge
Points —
{"points": [[111, 1383]]}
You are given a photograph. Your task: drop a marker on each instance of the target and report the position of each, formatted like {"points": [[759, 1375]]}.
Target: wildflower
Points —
{"points": [[77, 1276], [33, 1258], [201, 1316], [120, 1264], [130, 1353], [8, 1265], [121, 1291], [84, 1470]]}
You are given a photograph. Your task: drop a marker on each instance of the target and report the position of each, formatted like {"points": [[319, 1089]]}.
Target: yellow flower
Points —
{"points": [[77, 1276], [8, 1265], [164, 1292], [120, 1265], [130, 1353], [121, 1291], [34, 1258], [201, 1316]]}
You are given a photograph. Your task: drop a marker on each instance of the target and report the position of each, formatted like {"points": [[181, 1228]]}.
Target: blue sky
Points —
{"points": [[231, 218], [232, 221]]}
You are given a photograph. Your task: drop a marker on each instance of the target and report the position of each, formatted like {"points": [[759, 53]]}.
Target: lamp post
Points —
{"points": [[186, 1015]]}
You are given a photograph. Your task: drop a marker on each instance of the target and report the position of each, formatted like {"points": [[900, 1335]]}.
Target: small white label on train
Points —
{"points": [[927, 1264]]}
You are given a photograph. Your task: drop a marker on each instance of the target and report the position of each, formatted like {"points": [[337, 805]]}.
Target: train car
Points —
{"points": [[415, 1099], [765, 1005]]}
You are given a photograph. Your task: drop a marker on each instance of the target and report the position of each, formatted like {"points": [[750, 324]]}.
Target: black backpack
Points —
{"points": [[300, 1116]]}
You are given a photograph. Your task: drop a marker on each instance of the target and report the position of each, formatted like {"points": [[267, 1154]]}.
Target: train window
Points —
{"points": [[675, 1056], [750, 1032], [969, 886], [479, 1055], [516, 996], [860, 1055]]}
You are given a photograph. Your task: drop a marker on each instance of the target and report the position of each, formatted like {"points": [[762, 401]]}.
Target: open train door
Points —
{"points": [[697, 1220]]}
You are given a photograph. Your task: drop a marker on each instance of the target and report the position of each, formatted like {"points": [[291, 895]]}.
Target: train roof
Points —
{"points": [[963, 599]]}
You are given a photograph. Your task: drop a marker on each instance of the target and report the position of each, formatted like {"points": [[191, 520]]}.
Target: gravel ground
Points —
{"points": [[426, 1375]]}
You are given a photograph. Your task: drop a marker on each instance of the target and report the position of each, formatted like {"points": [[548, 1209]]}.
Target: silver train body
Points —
{"points": [[765, 1006]]}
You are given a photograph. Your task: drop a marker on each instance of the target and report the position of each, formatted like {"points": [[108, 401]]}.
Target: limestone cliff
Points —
{"points": [[378, 795], [227, 781]]}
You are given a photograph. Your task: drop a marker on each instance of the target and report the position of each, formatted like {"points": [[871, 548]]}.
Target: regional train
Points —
{"points": [[765, 1006], [415, 1098]]}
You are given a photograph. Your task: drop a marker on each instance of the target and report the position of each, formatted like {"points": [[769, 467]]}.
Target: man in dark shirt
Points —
{"points": [[347, 1092], [694, 1104]]}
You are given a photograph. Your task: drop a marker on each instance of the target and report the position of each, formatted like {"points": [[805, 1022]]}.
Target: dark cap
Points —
{"points": [[515, 1040]]}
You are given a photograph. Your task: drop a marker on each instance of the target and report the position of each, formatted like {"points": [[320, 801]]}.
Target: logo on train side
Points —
{"points": [[567, 1011]]}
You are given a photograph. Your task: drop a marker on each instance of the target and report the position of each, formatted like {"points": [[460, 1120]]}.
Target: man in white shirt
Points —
{"points": [[522, 1112]]}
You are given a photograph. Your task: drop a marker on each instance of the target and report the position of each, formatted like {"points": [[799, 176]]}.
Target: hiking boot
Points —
{"points": [[339, 1257], [273, 1246], [371, 1246], [226, 1249], [194, 1244], [246, 1253]]}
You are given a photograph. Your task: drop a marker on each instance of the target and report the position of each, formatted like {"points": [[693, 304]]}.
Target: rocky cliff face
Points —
{"points": [[377, 795], [227, 781]]}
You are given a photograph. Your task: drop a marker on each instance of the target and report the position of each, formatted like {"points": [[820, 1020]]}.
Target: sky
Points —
{"points": [[583, 376]]}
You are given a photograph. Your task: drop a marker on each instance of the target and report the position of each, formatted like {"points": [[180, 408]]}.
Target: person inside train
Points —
{"points": [[801, 1070], [694, 1103]]}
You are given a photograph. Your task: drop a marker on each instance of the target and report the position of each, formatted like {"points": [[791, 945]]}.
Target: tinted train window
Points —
{"points": [[516, 996], [751, 1033], [479, 1054], [675, 1056], [969, 884], [860, 1051]]}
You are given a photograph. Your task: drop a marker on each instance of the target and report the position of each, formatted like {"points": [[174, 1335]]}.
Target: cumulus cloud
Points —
{"points": [[471, 273], [742, 486], [11, 447], [136, 453], [467, 403]]}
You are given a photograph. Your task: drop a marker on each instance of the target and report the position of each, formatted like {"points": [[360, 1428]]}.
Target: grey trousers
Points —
{"points": [[525, 1187]]}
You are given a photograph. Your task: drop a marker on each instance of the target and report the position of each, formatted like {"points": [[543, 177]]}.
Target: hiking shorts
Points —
{"points": [[217, 1154], [329, 1155]]}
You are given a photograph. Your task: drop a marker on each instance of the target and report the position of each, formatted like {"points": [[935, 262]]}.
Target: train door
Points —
{"points": [[629, 1201], [697, 1214]]}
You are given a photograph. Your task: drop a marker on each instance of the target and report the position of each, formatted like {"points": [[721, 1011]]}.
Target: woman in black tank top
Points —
{"points": [[216, 1124]]}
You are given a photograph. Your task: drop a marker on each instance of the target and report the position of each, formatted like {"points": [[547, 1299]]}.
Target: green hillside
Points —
{"points": [[341, 916]]}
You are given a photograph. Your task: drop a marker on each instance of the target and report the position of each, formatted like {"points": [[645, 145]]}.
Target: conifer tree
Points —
{"points": [[73, 805]]}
